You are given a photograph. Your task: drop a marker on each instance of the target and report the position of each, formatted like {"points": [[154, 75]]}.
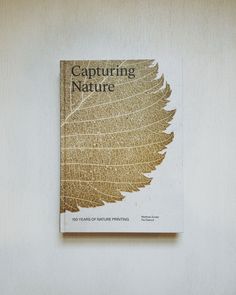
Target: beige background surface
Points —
{"points": [[34, 257]]}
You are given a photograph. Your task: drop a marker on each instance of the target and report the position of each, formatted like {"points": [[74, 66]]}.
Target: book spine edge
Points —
{"points": [[62, 105]]}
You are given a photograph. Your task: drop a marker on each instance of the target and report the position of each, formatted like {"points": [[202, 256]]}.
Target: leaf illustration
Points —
{"points": [[109, 140]]}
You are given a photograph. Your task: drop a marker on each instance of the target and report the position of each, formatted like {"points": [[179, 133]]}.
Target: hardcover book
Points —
{"points": [[121, 148]]}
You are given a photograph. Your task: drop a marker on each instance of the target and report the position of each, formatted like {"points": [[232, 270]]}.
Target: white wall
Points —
{"points": [[34, 257]]}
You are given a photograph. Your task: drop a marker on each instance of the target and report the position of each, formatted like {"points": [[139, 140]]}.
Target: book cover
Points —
{"points": [[121, 148]]}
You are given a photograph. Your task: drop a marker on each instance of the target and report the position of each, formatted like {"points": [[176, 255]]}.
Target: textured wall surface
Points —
{"points": [[34, 257]]}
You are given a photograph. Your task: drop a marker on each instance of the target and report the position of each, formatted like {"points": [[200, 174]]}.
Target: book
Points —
{"points": [[121, 148]]}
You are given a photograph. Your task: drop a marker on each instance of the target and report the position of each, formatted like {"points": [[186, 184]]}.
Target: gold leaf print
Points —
{"points": [[110, 139]]}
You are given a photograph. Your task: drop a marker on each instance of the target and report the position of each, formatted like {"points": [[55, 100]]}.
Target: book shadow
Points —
{"points": [[120, 238]]}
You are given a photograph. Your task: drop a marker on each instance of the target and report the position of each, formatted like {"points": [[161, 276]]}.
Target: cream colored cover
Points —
{"points": [[121, 148]]}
